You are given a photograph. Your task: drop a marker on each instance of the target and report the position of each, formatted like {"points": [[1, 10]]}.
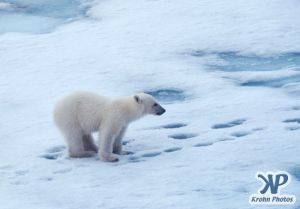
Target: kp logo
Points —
{"points": [[269, 193]]}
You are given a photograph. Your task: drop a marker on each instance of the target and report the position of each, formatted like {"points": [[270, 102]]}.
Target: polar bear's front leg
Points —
{"points": [[75, 145], [117, 147], [106, 142]]}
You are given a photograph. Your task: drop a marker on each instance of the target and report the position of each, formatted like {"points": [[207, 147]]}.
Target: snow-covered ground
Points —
{"points": [[217, 131]]}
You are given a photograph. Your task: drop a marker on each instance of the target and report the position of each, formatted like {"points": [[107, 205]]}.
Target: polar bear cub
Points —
{"points": [[82, 113]]}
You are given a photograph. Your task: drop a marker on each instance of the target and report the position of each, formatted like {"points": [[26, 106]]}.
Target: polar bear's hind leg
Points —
{"points": [[76, 146], [88, 143]]}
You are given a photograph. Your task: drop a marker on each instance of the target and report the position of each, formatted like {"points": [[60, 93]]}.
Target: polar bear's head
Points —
{"points": [[149, 104]]}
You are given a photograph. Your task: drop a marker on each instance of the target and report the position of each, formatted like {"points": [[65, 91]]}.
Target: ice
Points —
{"points": [[233, 61], [246, 66], [38, 16], [167, 95], [223, 131]]}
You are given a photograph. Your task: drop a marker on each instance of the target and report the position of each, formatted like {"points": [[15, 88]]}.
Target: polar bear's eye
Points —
{"points": [[155, 104]]}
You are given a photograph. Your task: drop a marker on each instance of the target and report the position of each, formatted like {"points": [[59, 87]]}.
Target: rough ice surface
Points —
{"points": [[124, 47]]}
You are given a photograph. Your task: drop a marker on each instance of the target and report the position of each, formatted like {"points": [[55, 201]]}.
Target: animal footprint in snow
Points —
{"points": [[182, 136], [225, 139], [239, 134], [295, 107], [293, 128], [151, 154], [173, 125], [173, 149], [293, 120], [134, 159], [259, 129], [229, 124], [54, 152], [295, 124], [53, 156], [204, 144]]}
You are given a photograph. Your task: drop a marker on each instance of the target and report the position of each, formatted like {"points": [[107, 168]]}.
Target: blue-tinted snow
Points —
{"points": [[236, 62], [233, 61], [38, 16], [167, 95]]}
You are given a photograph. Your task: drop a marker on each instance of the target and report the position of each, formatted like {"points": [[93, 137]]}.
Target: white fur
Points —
{"points": [[80, 114]]}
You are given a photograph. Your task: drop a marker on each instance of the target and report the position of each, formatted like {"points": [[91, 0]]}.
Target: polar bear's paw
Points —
{"points": [[109, 157]]}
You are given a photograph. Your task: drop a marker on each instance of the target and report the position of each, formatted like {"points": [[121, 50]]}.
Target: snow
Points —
{"points": [[124, 47]]}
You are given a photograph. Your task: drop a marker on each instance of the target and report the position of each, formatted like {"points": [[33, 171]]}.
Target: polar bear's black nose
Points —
{"points": [[161, 111]]}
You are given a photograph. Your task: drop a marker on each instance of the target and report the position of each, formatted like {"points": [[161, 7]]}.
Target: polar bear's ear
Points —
{"points": [[137, 99]]}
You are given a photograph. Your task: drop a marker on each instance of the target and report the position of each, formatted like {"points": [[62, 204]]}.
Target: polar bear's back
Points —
{"points": [[80, 110]]}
